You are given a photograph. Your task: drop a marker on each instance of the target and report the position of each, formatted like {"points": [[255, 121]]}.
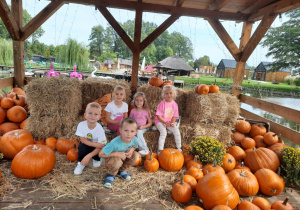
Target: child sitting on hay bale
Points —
{"points": [[116, 110], [92, 138], [142, 115], [120, 154], [166, 114]]}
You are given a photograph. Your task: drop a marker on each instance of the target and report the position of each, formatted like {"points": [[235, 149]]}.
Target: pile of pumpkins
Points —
{"points": [[203, 89], [158, 82]]}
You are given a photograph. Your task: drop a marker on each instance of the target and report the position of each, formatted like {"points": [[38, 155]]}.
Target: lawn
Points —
{"points": [[253, 84]]}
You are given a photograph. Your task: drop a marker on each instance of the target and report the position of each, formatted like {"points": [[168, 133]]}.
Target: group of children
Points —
{"points": [[120, 153]]}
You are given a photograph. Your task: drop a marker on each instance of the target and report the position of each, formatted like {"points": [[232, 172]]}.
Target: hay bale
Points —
{"points": [[93, 88], [55, 104], [153, 96], [233, 109]]}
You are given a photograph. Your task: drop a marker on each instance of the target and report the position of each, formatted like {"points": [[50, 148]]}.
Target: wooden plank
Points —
{"points": [[257, 36], [256, 6], [9, 21], [246, 34], [238, 78], [225, 37], [285, 132], [40, 18], [218, 4], [7, 82], [157, 32], [285, 112], [112, 21]]}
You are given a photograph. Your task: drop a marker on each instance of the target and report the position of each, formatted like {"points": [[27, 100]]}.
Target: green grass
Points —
{"points": [[283, 87]]}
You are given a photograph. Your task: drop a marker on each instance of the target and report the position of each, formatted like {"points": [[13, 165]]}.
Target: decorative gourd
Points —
{"points": [[258, 129], [72, 154], [187, 157], [270, 183], [64, 145], [214, 88], [277, 149], [181, 191], [243, 126], [259, 141], [33, 162], [244, 182], [151, 164], [191, 181], [2, 115], [16, 114], [237, 152], [19, 100], [194, 163], [138, 162], [154, 155], [262, 203], [261, 158], [215, 189], [195, 172], [248, 143], [8, 126], [171, 159], [14, 141], [270, 138], [209, 168], [282, 205], [237, 137], [247, 205], [192, 207], [228, 162], [156, 81], [202, 89], [51, 142]]}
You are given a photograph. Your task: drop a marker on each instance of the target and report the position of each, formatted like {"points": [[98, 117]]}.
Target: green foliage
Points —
{"points": [[6, 52], [292, 80], [202, 61], [291, 165], [208, 150]]}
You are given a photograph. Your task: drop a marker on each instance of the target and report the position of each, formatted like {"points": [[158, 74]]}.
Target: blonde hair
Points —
{"points": [[169, 87], [145, 105], [118, 87], [93, 105]]}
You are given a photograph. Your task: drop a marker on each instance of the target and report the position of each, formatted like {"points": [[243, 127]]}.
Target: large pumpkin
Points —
{"points": [[215, 189], [156, 81], [34, 161], [269, 182], [14, 141], [64, 145], [261, 158], [171, 159]]}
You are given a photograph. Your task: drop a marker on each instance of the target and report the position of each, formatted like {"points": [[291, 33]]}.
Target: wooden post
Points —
{"points": [[18, 46]]}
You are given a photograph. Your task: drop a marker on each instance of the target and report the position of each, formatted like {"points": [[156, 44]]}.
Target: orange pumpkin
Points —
{"points": [[257, 129], [248, 143], [202, 89], [167, 82], [259, 141], [156, 81], [214, 88], [243, 126], [103, 101], [228, 162], [72, 154], [209, 168], [138, 162], [17, 90], [247, 205], [19, 100], [16, 114], [270, 138], [8, 126], [221, 207], [237, 152], [282, 205], [277, 149], [24, 123], [237, 137], [171, 159], [151, 164], [40, 141], [262, 203], [194, 163], [241, 165], [7, 103], [2, 115], [185, 148], [191, 181], [195, 172], [181, 191], [187, 157], [193, 207], [154, 155], [51, 142], [64, 145]]}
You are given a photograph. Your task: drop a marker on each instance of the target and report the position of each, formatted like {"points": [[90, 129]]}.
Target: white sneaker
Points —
{"points": [[180, 150], [79, 168], [96, 163], [144, 152]]}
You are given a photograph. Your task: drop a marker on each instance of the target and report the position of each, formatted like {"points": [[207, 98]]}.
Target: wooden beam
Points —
{"points": [[179, 3], [218, 4], [256, 6], [9, 21], [165, 9], [225, 37], [40, 18], [136, 51], [120, 31], [257, 36], [157, 32], [283, 131], [238, 78], [7, 82], [278, 7], [246, 34], [285, 112]]}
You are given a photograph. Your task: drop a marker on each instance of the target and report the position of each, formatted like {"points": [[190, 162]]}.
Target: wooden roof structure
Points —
{"points": [[174, 62], [246, 11]]}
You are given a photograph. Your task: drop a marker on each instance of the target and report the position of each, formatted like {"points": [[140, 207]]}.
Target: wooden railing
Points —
{"points": [[287, 113]]}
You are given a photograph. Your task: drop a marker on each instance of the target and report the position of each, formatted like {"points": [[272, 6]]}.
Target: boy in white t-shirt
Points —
{"points": [[92, 138]]}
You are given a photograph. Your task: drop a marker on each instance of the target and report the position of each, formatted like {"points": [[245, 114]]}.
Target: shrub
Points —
{"points": [[297, 81], [208, 150], [288, 79], [291, 165]]}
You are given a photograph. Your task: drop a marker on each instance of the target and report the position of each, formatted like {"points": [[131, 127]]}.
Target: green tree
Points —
{"points": [[163, 52], [202, 61], [97, 41], [181, 46], [283, 43], [6, 52]]}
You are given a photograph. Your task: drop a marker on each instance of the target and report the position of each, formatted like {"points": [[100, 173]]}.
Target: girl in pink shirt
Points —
{"points": [[166, 114], [142, 115]]}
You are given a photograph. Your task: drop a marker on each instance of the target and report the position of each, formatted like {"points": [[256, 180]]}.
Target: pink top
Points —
{"points": [[166, 111], [141, 117]]}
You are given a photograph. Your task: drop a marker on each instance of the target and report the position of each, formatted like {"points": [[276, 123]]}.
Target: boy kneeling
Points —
{"points": [[120, 154]]}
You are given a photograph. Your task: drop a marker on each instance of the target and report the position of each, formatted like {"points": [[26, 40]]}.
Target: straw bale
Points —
{"points": [[233, 109], [55, 104], [153, 96], [181, 100], [93, 88]]}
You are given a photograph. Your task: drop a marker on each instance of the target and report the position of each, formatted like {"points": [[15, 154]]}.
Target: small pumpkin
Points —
{"points": [[258, 129], [248, 143], [33, 162], [39, 141], [185, 148], [171, 159], [154, 155], [259, 141], [277, 149], [151, 164], [221, 207], [16, 114], [241, 165], [270, 138], [191, 181], [194, 163], [156, 81], [262, 203], [19, 100], [138, 162], [243, 126], [193, 207], [237, 137], [8, 126], [202, 89], [24, 123], [187, 157], [237, 152], [17, 90], [72, 154], [208, 168], [64, 145], [7, 103], [214, 88], [247, 205], [167, 82], [282, 205], [228, 162], [195, 172], [51, 142], [181, 191]]}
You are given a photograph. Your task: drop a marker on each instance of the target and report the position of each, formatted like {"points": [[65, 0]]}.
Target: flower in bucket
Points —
{"points": [[208, 150]]}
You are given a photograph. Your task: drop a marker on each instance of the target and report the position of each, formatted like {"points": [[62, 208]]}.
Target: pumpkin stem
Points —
{"points": [[17, 97], [242, 164], [34, 147], [242, 174], [150, 156], [273, 191], [4, 93], [285, 201], [274, 135], [215, 81], [215, 163]]}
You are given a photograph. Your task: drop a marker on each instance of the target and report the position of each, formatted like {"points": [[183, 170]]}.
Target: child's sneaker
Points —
{"points": [[79, 168], [158, 152], [124, 175], [96, 163], [108, 181], [180, 150], [144, 152]]}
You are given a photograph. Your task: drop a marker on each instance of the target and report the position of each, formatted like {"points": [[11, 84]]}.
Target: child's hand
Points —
{"points": [[168, 124], [100, 145], [172, 124], [129, 153], [140, 127], [122, 155], [85, 160]]}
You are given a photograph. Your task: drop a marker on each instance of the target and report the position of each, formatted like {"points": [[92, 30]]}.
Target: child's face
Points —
{"points": [[128, 131], [169, 95], [92, 114], [139, 101], [119, 95]]}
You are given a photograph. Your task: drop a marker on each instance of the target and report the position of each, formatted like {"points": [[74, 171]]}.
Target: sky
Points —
{"points": [[76, 21]]}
